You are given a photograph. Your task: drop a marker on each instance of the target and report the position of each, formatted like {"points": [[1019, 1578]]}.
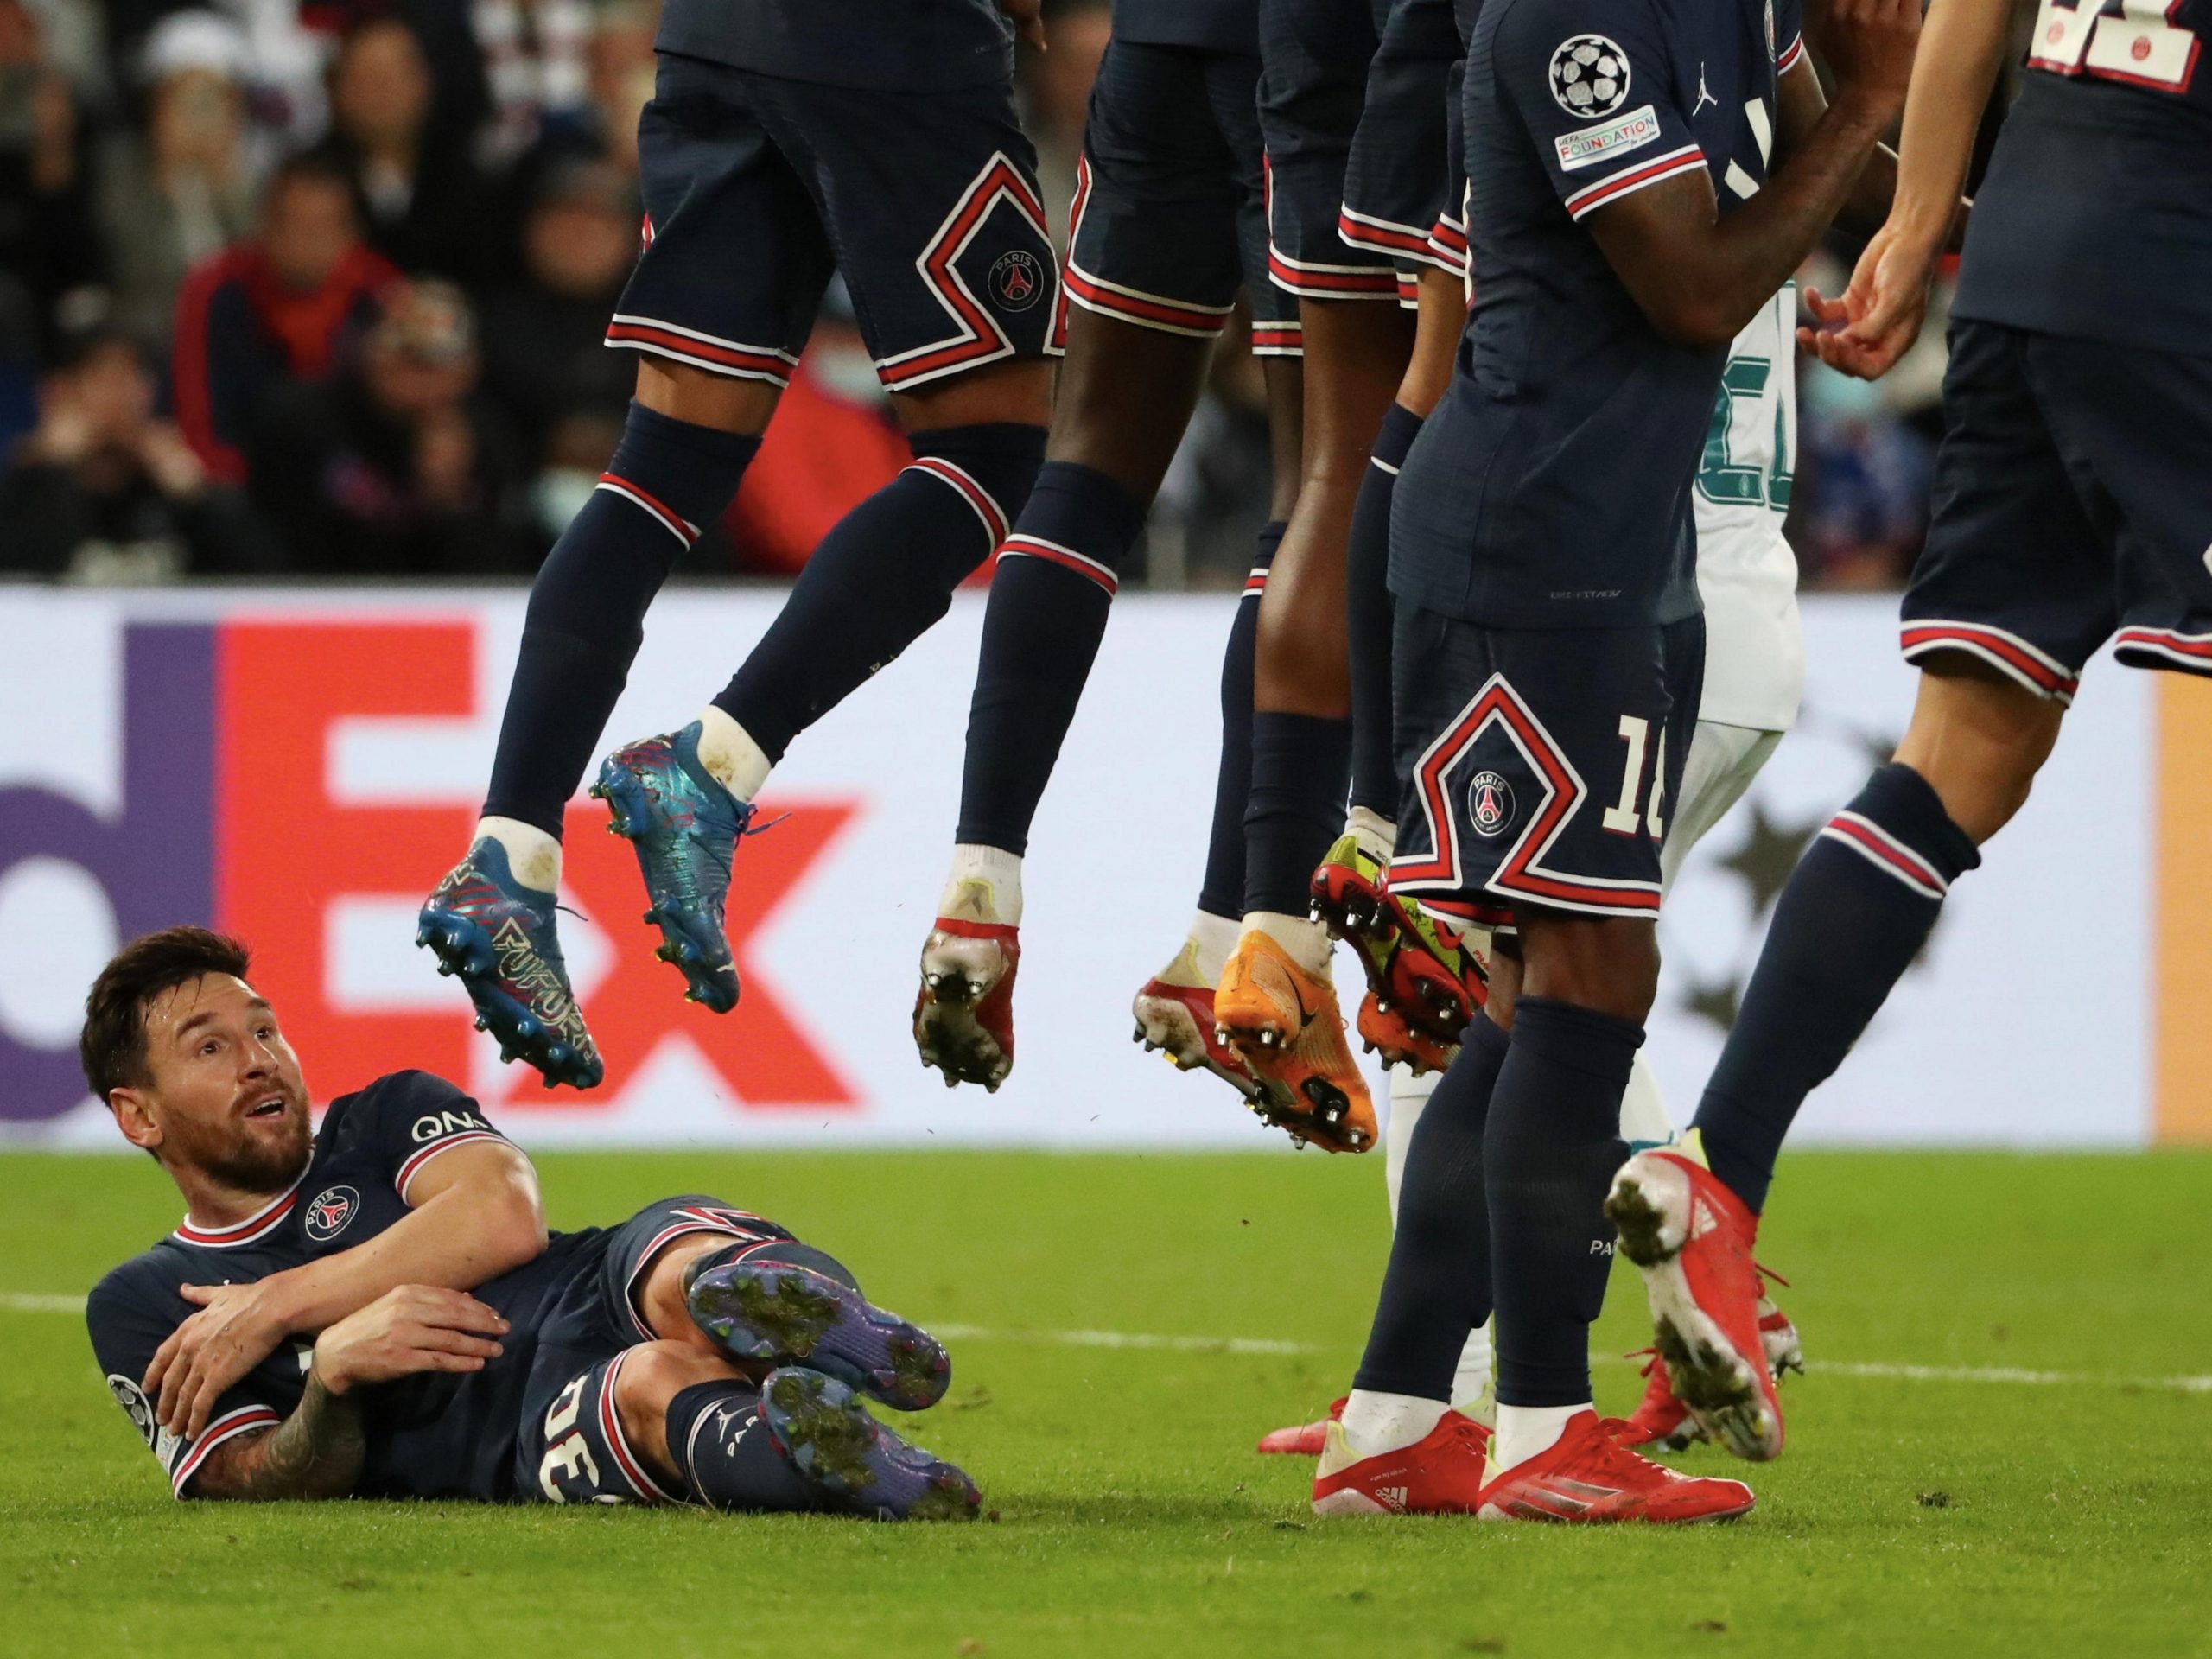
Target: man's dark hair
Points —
{"points": [[113, 1044]]}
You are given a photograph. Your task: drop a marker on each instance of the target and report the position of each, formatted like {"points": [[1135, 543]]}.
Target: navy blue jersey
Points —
{"points": [[1216, 25], [891, 46], [444, 1435], [1552, 488], [2095, 221]]}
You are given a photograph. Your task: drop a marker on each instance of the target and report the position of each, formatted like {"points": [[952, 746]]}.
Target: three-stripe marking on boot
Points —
{"points": [[662, 514], [1886, 853], [1020, 545]]}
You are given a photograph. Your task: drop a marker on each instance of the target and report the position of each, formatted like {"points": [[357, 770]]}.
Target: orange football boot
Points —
{"points": [[1283, 1024]]}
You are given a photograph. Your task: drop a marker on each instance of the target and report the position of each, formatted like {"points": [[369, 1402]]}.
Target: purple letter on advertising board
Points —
{"points": [[156, 859]]}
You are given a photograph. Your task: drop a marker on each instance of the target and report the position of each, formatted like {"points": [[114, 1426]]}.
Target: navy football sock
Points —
{"points": [[1374, 768], [668, 480], [882, 577], [1855, 912], [1222, 891], [1549, 1152], [726, 1458], [1436, 1287], [1297, 807], [1051, 592]]}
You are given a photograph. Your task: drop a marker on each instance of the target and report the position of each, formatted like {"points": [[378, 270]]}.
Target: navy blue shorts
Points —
{"points": [[570, 1448], [2073, 505], [757, 188], [1401, 176], [1541, 763], [1313, 60], [1170, 216]]}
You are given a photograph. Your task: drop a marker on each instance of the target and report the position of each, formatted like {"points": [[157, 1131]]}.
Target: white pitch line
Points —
{"points": [[21, 1302]]}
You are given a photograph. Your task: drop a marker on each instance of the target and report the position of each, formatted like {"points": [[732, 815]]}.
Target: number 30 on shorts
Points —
{"points": [[566, 1454], [1623, 818]]}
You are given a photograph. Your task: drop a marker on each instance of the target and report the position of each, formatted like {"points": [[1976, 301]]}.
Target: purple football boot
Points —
{"points": [[684, 826], [825, 1435], [500, 937], [785, 1314]]}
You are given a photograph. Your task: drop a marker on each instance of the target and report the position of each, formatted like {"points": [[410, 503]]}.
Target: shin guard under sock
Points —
{"points": [[1437, 1288], [1855, 912], [1051, 592], [1222, 891], [667, 481], [1367, 573], [1300, 765], [1551, 1148], [882, 577]]}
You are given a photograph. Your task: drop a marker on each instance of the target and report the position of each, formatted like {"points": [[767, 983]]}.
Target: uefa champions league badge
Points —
{"points": [[1589, 76]]}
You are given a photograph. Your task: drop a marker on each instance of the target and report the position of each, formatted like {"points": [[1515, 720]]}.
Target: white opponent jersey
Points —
{"points": [[1754, 653]]}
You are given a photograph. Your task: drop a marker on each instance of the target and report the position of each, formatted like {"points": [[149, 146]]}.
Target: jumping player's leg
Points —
{"points": [[952, 280], [1153, 270], [717, 309]]}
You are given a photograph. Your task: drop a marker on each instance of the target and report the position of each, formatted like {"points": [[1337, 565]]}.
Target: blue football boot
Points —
{"points": [[785, 1314], [684, 826], [498, 937], [825, 1435]]}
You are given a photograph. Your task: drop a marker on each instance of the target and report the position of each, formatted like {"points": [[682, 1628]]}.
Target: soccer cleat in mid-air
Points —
{"points": [[783, 1315], [1282, 1022], [1175, 1014], [963, 1012], [684, 827], [1588, 1477], [1441, 1474], [1424, 980], [1661, 1418], [1301, 1439], [1383, 1031], [500, 937], [1691, 1237], [827, 1436]]}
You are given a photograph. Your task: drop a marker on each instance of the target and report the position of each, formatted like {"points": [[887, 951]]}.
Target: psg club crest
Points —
{"points": [[1017, 280], [329, 1214], [1589, 76], [1490, 806]]}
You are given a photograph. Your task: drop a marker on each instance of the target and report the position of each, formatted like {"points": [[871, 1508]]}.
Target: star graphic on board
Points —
{"points": [[1717, 1001], [1769, 853]]}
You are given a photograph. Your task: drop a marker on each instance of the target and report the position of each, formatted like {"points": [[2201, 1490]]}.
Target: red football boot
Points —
{"points": [[1441, 1474], [1175, 1014], [1661, 1419], [1384, 1032], [1587, 1477], [1301, 1439], [1692, 1239], [963, 1012]]}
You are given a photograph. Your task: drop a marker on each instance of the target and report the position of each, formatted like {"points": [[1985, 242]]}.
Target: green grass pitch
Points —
{"points": [[1931, 1514]]}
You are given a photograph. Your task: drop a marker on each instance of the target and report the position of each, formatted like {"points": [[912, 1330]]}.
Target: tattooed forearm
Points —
{"points": [[314, 1452]]}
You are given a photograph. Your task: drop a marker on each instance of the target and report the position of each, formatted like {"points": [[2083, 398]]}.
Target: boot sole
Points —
{"points": [[701, 953], [835, 1445], [782, 1314], [464, 951]]}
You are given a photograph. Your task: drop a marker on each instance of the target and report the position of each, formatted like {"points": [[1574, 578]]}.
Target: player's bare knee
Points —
{"points": [[1019, 393], [653, 1375], [725, 403]]}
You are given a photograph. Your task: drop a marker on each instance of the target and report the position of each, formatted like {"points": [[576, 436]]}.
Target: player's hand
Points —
{"points": [[406, 1331], [1870, 45], [237, 1327], [1028, 19], [1874, 321]]}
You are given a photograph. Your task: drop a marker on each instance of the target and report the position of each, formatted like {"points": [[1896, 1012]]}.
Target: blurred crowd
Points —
{"points": [[316, 288]]}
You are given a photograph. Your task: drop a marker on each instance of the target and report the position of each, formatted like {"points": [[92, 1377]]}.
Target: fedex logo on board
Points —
{"points": [[229, 816]]}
